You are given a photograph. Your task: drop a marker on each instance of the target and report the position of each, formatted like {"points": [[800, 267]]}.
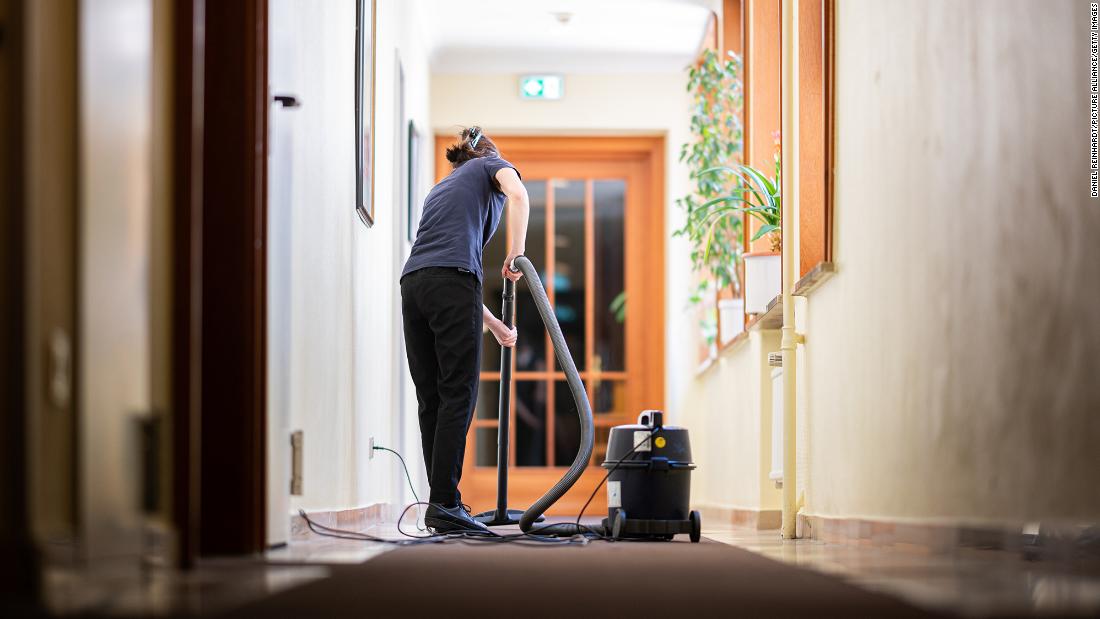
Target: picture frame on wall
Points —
{"points": [[411, 193], [365, 31]]}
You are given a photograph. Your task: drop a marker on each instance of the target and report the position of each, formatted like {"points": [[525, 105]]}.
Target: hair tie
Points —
{"points": [[476, 138]]}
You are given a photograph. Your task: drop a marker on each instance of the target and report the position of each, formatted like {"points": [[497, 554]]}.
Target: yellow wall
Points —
{"points": [[727, 408], [950, 370], [951, 366]]}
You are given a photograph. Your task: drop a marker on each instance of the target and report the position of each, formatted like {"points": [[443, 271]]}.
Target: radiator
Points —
{"points": [[777, 427]]}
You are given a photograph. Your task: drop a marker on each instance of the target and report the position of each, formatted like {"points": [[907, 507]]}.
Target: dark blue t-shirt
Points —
{"points": [[460, 215]]}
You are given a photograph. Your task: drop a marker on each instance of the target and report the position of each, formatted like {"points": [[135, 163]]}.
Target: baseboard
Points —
{"points": [[354, 519], [759, 519], [1035, 541], [909, 536]]}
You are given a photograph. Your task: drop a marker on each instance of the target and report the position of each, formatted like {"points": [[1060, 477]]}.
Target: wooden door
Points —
{"points": [[50, 175], [596, 235]]}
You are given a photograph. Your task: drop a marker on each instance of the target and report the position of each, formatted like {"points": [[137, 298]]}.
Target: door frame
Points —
{"points": [[232, 432], [19, 573], [187, 143], [219, 308], [528, 153]]}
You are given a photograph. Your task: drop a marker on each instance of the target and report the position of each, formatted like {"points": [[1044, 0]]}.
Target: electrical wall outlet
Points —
{"points": [[370, 448]]}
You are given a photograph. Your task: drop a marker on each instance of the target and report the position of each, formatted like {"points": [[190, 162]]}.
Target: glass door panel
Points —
{"points": [[609, 397], [567, 427], [492, 287], [610, 311], [531, 350], [530, 423], [488, 399], [570, 283], [485, 446]]}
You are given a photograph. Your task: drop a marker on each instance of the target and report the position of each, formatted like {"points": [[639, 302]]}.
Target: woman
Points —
{"points": [[442, 310]]}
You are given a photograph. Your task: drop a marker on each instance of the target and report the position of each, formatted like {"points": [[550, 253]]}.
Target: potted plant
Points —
{"points": [[716, 129], [759, 196]]}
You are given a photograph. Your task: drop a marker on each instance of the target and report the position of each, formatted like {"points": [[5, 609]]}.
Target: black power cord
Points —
{"points": [[614, 468], [467, 537], [412, 488], [539, 536]]}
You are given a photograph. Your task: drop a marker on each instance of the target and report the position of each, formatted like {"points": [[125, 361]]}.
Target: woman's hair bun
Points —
{"points": [[472, 143]]}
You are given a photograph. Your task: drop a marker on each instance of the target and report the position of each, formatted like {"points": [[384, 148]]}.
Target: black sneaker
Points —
{"points": [[453, 520]]}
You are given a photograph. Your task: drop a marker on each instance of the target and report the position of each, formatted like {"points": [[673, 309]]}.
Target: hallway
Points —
{"points": [[331, 577], [823, 270]]}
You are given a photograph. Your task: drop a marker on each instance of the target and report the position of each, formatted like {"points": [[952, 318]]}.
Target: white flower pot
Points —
{"points": [[731, 318], [763, 280]]}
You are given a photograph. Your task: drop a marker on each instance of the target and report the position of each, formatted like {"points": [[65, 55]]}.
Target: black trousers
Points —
{"points": [[441, 311]]}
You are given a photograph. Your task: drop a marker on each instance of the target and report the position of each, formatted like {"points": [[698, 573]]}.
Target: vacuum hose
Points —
{"points": [[580, 397]]}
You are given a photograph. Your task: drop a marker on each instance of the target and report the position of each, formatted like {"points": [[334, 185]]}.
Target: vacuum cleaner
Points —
{"points": [[649, 464]]}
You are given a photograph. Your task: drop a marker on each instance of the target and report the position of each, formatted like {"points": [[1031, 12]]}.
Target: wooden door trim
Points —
{"points": [[233, 421], [187, 144], [565, 148], [19, 573]]}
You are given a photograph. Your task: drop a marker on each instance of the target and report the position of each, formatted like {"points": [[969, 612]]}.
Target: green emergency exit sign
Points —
{"points": [[540, 87]]}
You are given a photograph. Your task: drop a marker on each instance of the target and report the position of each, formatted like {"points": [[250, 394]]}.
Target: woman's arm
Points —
{"points": [[519, 209], [505, 336]]}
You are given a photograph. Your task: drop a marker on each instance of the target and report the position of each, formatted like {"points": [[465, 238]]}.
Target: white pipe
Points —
{"points": [[789, 342]]}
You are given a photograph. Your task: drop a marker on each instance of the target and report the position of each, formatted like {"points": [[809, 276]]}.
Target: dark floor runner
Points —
{"points": [[602, 579]]}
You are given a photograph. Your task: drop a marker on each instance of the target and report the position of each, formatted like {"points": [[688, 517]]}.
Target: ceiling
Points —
{"points": [[565, 36]]}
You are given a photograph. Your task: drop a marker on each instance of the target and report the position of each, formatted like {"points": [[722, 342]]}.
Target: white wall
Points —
{"points": [[335, 329], [653, 103]]}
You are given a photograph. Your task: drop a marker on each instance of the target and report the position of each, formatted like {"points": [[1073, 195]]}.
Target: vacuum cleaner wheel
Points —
{"points": [[618, 525]]}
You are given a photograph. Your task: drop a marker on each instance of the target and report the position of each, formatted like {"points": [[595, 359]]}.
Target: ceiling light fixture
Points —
{"points": [[563, 17]]}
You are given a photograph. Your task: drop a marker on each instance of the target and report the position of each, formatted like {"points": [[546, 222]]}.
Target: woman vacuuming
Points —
{"points": [[442, 310]]}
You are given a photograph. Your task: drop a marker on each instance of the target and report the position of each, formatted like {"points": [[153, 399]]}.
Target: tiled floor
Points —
{"points": [[971, 584], [129, 590]]}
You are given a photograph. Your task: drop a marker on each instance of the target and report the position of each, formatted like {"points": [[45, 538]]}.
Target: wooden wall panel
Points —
{"points": [[811, 132], [733, 37], [762, 100]]}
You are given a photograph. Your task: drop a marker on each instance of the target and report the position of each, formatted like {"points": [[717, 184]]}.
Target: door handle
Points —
{"points": [[287, 101]]}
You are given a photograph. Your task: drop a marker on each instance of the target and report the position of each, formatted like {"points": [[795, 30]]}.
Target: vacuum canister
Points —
{"points": [[650, 478]]}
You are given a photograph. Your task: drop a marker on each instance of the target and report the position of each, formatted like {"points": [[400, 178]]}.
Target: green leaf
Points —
{"points": [[618, 307], [764, 230], [714, 169]]}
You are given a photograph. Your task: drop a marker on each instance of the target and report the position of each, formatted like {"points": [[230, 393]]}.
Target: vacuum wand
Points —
{"points": [[507, 313], [501, 515]]}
